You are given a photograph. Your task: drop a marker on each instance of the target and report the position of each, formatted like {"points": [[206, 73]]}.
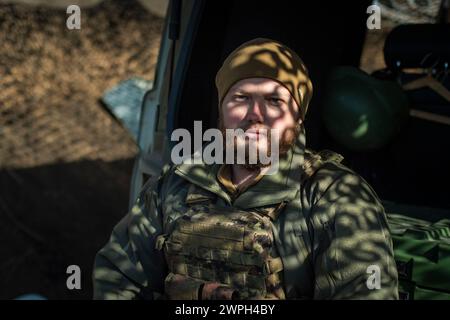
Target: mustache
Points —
{"points": [[254, 126]]}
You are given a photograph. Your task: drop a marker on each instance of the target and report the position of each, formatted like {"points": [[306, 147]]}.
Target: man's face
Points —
{"points": [[260, 103]]}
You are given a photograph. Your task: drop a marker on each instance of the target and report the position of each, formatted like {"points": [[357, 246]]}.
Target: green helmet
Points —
{"points": [[360, 111]]}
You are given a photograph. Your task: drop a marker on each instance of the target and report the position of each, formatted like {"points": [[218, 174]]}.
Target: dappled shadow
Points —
{"points": [[276, 63], [333, 227], [329, 233]]}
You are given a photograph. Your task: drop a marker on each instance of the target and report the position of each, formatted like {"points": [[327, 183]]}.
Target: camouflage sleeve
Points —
{"points": [[129, 266], [354, 258]]}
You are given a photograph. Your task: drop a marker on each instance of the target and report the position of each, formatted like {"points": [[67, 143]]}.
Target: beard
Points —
{"points": [[287, 140]]}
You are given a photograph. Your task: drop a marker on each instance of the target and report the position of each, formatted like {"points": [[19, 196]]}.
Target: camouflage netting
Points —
{"points": [[52, 78], [65, 162]]}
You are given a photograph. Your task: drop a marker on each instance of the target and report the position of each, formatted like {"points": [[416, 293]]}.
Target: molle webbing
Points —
{"points": [[223, 245]]}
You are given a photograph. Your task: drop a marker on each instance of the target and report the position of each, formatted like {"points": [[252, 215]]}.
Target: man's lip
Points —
{"points": [[256, 131]]}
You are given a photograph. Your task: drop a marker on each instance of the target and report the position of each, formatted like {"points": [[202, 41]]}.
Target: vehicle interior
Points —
{"points": [[409, 171]]}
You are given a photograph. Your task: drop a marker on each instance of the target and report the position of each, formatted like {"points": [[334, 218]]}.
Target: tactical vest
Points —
{"points": [[215, 252]]}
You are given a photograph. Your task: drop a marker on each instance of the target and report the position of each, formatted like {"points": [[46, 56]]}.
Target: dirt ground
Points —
{"points": [[65, 162]]}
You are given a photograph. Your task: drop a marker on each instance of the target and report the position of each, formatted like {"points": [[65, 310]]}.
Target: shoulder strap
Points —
{"points": [[314, 160], [197, 195]]}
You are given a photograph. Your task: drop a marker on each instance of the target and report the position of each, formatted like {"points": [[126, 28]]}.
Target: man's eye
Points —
{"points": [[240, 97], [275, 101]]}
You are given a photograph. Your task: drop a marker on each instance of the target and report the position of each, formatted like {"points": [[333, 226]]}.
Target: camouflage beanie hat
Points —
{"points": [[265, 58]]}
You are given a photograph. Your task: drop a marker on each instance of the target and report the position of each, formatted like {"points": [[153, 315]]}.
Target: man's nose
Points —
{"points": [[255, 111]]}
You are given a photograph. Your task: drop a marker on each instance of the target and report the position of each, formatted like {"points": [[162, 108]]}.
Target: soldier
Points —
{"points": [[312, 230]]}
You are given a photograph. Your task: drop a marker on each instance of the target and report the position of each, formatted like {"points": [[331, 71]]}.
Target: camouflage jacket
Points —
{"points": [[330, 233]]}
